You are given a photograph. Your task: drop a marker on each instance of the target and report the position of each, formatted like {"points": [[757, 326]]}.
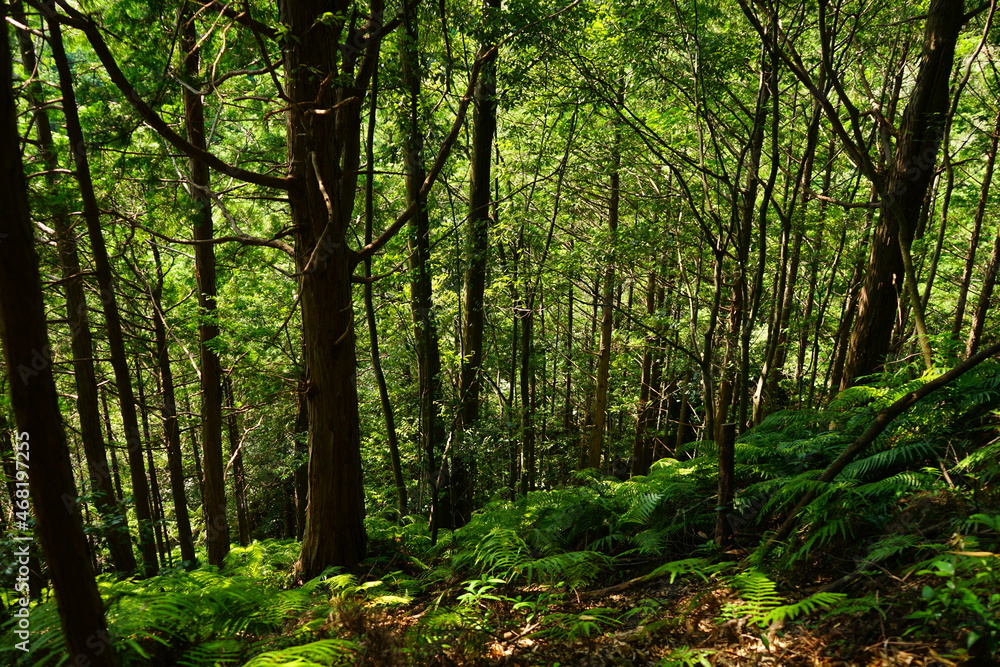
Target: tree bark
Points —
{"points": [[607, 312], [323, 130], [391, 436], [902, 196], [214, 500], [985, 299], [236, 463], [432, 432], [112, 317], [977, 225], [41, 440], [171, 427], [88, 408], [484, 121]]}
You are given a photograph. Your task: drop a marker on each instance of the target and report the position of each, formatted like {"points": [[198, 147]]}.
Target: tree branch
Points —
{"points": [[77, 20], [245, 239], [445, 150]]}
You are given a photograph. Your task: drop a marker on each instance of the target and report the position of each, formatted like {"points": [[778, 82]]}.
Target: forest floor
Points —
{"points": [[684, 631]]}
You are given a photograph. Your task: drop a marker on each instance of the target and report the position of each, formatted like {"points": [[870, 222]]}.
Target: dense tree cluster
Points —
{"points": [[271, 268]]}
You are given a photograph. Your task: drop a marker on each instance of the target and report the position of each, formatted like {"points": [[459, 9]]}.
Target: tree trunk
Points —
{"points": [[236, 463], [391, 437], [155, 499], [903, 194], [112, 318], [985, 299], [323, 154], [33, 394], [81, 343], [977, 225], [526, 482], [432, 432], [646, 414], [300, 448], [216, 525], [607, 311], [171, 429], [484, 121]]}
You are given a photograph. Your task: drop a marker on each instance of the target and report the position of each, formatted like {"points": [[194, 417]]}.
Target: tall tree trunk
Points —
{"points": [[607, 313], [155, 499], [432, 432], [526, 466], [81, 343], [36, 405], [985, 299], [484, 121], [300, 448], [217, 527], [171, 426], [112, 318], [977, 225], [236, 462], [642, 454], [392, 439], [902, 196], [323, 154]]}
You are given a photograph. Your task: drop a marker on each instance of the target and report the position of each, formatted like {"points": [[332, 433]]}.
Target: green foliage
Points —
{"points": [[687, 657], [323, 653], [201, 617], [965, 594], [573, 626], [761, 604]]}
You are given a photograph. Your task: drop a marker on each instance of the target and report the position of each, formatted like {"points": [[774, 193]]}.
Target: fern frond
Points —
{"points": [[888, 460], [789, 612], [323, 653]]}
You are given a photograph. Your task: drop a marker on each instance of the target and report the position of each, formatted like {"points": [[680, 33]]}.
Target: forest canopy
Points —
{"points": [[366, 332]]}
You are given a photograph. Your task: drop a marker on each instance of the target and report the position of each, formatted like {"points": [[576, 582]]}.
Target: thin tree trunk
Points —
{"points": [[112, 318], [301, 449], [985, 298], [477, 250], [391, 437], [646, 413], [217, 527], [527, 385], [171, 429], [607, 312], [33, 395], [115, 521], [432, 434], [155, 500], [236, 461], [977, 225]]}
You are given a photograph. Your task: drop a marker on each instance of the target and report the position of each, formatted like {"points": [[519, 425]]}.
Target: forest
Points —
{"points": [[499, 332]]}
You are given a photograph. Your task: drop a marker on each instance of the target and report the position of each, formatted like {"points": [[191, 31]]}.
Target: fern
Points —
{"points": [[888, 459], [687, 657], [789, 612], [323, 653], [855, 607], [681, 568], [574, 568], [761, 604], [757, 596]]}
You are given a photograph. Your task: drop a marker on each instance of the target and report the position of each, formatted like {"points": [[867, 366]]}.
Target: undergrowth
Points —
{"points": [[904, 540]]}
